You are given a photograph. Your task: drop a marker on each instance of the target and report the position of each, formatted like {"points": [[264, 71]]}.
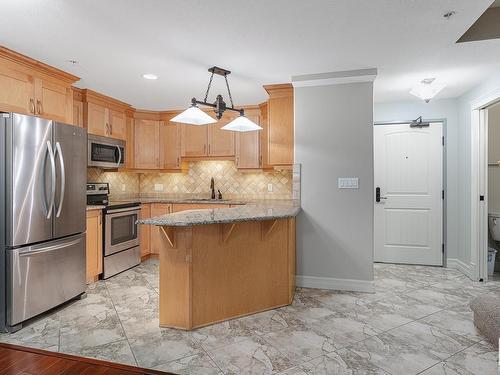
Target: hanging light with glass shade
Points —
{"points": [[195, 116]]}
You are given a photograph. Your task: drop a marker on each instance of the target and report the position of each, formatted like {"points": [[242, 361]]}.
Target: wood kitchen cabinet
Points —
{"points": [[248, 155], [104, 116], [158, 209], [94, 245], [130, 142], [147, 144], [33, 88], [277, 137], [194, 140], [145, 230], [170, 145], [221, 142]]}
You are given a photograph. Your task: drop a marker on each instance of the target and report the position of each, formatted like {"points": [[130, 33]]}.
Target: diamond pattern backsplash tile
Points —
{"points": [[232, 183]]}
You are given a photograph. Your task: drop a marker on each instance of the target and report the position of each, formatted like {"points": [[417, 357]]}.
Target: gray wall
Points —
{"points": [[334, 138]]}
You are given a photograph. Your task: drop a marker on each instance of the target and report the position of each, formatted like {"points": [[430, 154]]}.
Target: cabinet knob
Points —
{"points": [[39, 106]]}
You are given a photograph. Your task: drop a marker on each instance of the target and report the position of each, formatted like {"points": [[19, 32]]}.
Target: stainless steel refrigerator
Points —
{"points": [[42, 216]]}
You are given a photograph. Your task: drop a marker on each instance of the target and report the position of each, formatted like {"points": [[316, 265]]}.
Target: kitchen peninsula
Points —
{"points": [[218, 264]]}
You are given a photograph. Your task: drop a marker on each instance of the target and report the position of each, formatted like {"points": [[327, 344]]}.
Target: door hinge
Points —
{"points": [[442, 248], [481, 198], [442, 194], [442, 140]]}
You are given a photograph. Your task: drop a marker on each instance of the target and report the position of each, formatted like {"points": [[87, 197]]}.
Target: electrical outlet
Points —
{"points": [[124, 187], [158, 187], [269, 188]]}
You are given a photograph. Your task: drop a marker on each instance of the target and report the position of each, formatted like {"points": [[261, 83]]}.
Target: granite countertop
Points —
{"points": [[95, 207], [181, 200], [252, 211]]}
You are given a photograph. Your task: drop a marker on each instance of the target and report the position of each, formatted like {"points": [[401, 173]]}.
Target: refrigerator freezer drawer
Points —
{"points": [[43, 276], [121, 261]]}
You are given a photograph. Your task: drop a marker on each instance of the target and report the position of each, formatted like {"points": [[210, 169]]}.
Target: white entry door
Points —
{"points": [[409, 210]]}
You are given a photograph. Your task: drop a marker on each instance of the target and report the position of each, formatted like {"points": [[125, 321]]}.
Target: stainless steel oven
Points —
{"points": [[120, 229], [121, 238], [105, 152]]}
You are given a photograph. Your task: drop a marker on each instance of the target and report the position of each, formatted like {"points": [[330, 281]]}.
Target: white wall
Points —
{"points": [[446, 109], [334, 138]]}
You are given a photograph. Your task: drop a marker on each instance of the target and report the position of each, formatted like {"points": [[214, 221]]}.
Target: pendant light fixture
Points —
{"points": [[195, 116], [427, 89]]}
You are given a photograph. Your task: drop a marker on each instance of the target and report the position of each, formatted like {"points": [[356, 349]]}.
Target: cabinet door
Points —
{"points": [[248, 148], [147, 136], [53, 101], [220, 142], [145, 230], [96, 119], [17, 93], [280, 127], [170, 145], [78, 113], [117, 124], [158, 209], [94, 245], [129, 145], [194, 139]]}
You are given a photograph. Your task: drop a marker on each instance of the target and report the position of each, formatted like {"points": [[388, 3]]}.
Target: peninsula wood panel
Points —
{"points": [[218, 272], [147, 149], [94, 245], [145, 230], [157, 209]]}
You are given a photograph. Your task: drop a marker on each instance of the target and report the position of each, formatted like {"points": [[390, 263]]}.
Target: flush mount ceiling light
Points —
{"points": [[195, 116], [427, 89], [149, 76]]}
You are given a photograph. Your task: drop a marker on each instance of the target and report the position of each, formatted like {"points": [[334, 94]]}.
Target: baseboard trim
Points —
{"points": [[461, 266], [350, 285]]}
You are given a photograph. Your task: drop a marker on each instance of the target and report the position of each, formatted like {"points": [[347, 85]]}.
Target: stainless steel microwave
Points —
{"points": [[104, 152]]}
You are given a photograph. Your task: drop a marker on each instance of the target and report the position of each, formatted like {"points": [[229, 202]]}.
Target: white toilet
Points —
{"points": [[494, 225]]}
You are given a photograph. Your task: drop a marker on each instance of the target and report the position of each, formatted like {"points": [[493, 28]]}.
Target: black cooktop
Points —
{"points": [[114, 205]]}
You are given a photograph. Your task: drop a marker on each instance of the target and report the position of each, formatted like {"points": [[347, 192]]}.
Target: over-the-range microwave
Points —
{"points": [[104, 152]]}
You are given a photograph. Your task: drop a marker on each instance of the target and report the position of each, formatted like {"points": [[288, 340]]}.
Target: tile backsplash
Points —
{"points": [[233, 184]]}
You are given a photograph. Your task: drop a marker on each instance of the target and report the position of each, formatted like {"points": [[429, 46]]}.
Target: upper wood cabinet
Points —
{"points": [[248, 155], [77, 107], [130, 143], [278, 134], [32, 87], [221, 142], [194, 140], [103, 115], [147, 145], [170, 145]]}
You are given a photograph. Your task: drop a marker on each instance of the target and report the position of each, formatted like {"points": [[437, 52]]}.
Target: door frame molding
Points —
{"points": [[479, 184], [444, 123]]}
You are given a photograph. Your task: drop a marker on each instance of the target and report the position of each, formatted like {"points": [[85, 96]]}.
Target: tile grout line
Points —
{"points": [[213, 360], [121, 324]]}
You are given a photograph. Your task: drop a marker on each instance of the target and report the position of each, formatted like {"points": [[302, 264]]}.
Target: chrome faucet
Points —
{"points": [[212, 186]]}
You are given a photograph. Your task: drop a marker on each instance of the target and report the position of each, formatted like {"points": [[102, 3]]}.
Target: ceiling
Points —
{"points": [[260, 41]]}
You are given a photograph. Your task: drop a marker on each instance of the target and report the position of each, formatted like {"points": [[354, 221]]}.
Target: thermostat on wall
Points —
{"points": [[348, 183]]}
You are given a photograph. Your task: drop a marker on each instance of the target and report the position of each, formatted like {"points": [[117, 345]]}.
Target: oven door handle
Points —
{"points": [[121, 211]]}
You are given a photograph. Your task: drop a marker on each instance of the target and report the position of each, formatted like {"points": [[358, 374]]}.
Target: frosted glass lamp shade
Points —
{"points": [[193, 116], [241, 124]]}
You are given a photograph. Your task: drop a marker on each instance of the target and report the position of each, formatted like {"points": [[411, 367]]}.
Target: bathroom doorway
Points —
{"points": [[492, 119]]}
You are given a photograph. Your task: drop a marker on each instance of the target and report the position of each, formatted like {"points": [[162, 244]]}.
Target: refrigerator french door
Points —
{"points": [[43, 207]]}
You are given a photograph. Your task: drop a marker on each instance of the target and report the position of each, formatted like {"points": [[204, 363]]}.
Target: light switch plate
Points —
{"points": [[269, 188], [158, 187], [348, 183]]}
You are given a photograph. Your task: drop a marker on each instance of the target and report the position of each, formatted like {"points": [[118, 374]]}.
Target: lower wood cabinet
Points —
{"points": [[145, 230], [158, 209], [94, 245]]}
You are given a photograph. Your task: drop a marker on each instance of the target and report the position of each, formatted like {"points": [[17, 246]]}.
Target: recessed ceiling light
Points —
{"points": [[149, 76]]}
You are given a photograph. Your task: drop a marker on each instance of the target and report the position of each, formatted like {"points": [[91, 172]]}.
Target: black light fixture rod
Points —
{"points": [[213, 105]]}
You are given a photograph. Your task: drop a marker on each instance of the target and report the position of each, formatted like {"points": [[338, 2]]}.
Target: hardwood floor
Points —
{"points": [[18, 360]]}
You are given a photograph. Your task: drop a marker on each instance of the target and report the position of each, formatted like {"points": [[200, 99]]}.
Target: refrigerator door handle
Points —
{"points": [[52, 179], [59, 153], [119, 156]]}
